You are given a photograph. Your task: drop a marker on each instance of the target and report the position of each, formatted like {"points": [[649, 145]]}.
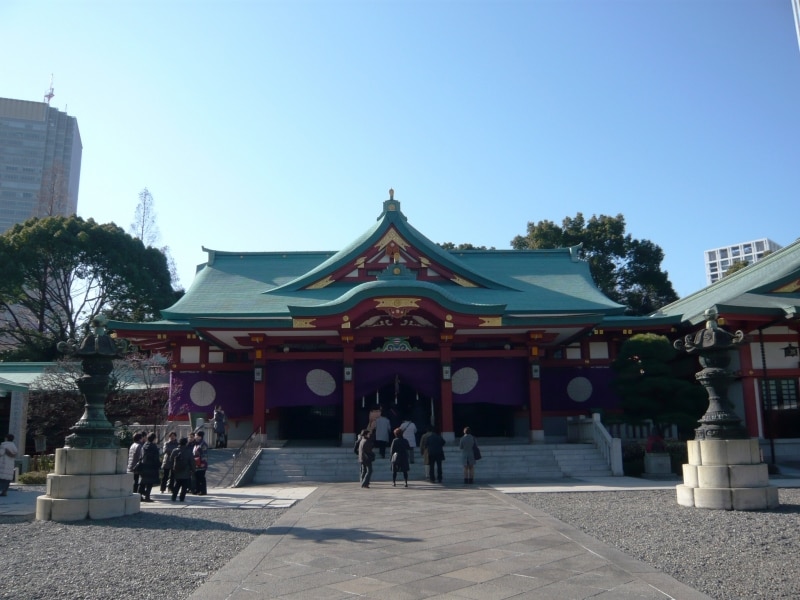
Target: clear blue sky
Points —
{"points": [[281, 125]]}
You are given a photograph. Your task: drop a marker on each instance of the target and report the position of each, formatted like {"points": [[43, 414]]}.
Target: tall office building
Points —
{"points": [[719, 260], [40, 161]]}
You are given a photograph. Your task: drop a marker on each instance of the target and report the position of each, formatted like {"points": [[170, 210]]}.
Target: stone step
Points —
{"points": [[513, 462]]}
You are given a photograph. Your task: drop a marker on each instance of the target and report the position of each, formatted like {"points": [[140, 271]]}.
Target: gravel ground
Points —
{"points": [[154, 554], [163, 553], [725, 554]]}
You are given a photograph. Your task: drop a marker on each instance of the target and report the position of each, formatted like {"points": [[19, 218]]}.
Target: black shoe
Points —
{"points": [[173, 498], [147, 500], [406, 484]]}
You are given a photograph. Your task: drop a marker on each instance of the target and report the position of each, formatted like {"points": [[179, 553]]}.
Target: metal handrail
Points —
{"points": [[245, 456]]}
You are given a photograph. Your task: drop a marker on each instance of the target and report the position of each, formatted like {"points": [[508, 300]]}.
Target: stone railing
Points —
{"points": [[609, 447]]}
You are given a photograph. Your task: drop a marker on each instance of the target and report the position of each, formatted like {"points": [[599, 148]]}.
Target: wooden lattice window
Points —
{"points": [[779, 394]]}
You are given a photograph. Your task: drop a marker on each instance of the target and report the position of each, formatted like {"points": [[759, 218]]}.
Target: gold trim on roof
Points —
{"points": [[789, 288], [303, 323], [491, 321], [462, 282], [321, 283], [391, 236], [360, 261], [384, 303], [425, 262]]}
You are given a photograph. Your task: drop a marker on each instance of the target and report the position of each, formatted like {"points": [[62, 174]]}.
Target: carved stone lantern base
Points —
{"points": [[88, 484], [726, 475]]}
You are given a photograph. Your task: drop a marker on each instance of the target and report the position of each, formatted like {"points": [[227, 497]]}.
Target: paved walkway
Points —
{"points": [[427, 541]]}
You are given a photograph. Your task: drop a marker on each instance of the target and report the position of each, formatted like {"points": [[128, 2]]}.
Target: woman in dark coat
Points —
{"points": [[151, 464], [399, 451]]}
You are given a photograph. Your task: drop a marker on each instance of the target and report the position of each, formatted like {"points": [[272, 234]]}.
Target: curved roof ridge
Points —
{"points": [[391, 216]]}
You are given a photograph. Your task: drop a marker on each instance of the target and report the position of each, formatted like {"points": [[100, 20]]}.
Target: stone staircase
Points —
{"points": [[500, 462]]}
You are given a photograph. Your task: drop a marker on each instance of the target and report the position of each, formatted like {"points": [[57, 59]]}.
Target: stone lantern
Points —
{"points": [[725, 470], [91, 479]]}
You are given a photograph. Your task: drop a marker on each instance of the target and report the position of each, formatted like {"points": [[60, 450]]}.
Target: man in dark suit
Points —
{"points": [[432, 448]]}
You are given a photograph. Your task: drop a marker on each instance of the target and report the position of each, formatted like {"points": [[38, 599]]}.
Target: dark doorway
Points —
{"points": [[310, 424], [397, 402], [485, 420]]}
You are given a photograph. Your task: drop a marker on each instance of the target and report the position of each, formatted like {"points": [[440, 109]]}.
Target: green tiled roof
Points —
{"points": [[521, 284]]}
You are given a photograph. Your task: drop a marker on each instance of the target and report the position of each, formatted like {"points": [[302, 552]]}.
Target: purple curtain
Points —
{"points": [[578, 388], [494, 380], [201, 392], [304, 383], [371, 375]]}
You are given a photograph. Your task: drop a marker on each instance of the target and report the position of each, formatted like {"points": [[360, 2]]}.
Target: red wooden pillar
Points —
{"points": [[535, 388], [535, 404], [751, 400], [260, 391], [446, 387], [348, 390]]}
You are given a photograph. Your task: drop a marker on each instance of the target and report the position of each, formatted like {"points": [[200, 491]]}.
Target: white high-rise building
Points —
{"points": [[719, 260], [40, 161]]}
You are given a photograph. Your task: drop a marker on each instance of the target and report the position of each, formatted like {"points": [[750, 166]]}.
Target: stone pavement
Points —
{"points": [[430, 541], [427, 541]]}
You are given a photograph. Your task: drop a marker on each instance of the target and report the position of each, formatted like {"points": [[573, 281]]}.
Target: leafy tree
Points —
{"points": [[625, 269], [145, 228], [649, 383], [452, 246], [57, 272], [736, 266]]}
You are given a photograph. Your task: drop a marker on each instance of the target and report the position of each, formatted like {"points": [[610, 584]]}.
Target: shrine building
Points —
{"points": [[304, 345]]}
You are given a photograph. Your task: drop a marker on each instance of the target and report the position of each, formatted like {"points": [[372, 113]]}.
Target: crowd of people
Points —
{"points": [[179, 466]]}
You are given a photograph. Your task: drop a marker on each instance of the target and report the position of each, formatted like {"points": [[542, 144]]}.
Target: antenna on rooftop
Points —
{"points": [[48, 95]]}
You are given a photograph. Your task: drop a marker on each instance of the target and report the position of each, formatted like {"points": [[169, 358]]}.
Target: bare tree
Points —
{"points": [[53, 197], [145, 228], [144, 224]]}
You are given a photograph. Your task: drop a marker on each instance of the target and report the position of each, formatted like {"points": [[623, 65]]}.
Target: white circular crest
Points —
{"points": [[579, 389], [464, 380], [320, 382], [202, 393]]}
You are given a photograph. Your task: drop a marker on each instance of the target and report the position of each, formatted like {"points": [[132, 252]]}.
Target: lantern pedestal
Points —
{"points": [[88, 484], [726, 475]]}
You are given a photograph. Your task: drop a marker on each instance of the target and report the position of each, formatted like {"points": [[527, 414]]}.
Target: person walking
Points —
{"points": [[8, 452], [383, 433], [181, 464], [366, 456], [409, 430], [431, 446], [399, 452], [467, 445], [220, 426], [168, 478], [151, 464], [200, 454], [134, 457]]}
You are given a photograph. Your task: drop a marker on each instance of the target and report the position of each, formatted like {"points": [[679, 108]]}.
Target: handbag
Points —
{"points": [[476, 452], [394, 458]]}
